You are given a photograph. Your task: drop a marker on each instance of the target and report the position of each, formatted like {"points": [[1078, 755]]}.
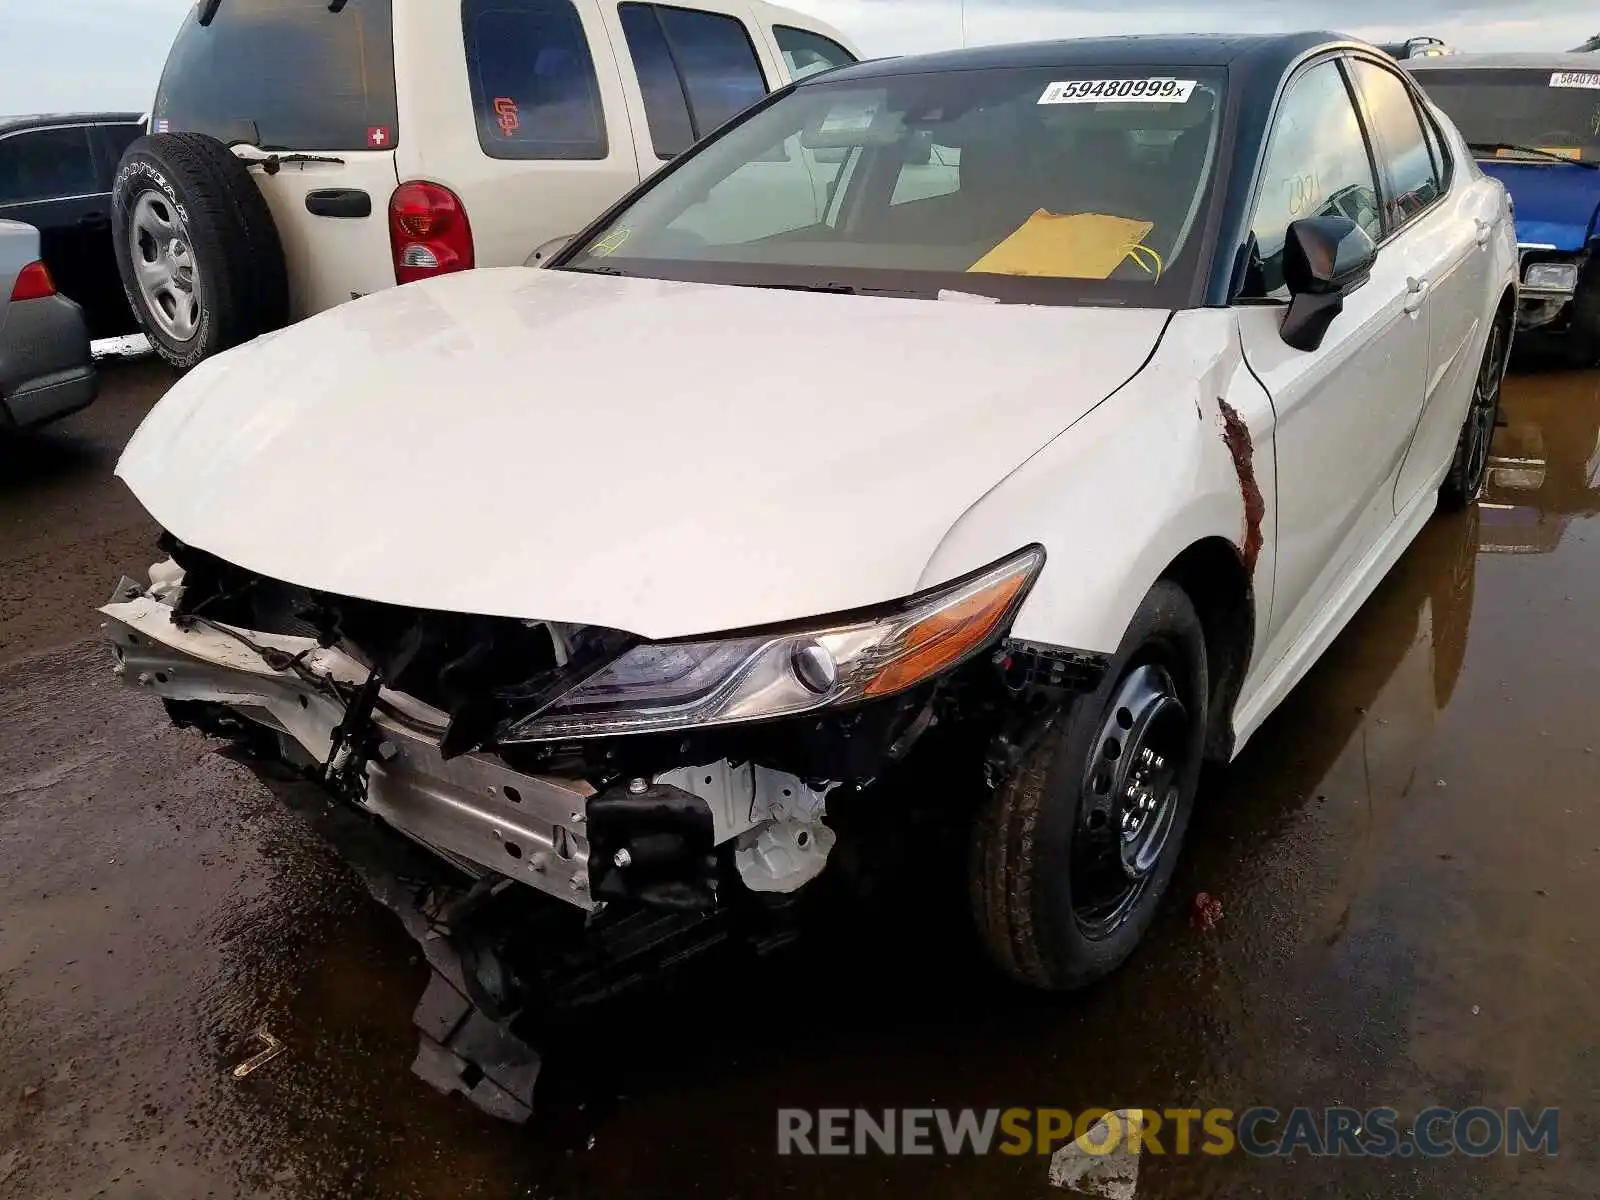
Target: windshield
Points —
{"points": [[967, 180], [1556, 111]]}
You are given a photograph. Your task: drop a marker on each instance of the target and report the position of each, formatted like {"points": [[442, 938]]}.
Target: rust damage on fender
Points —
{"points": [[1236, 434]]}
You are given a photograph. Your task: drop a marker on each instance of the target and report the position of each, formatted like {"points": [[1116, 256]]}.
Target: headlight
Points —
{"points": [[1559, 276], [665, 686]]}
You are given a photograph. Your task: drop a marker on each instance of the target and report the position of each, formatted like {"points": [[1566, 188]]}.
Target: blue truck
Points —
{"points": [[1533, 121]]}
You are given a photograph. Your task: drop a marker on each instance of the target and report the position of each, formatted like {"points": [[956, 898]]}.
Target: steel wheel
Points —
{"points": [[164, 267], [1131, 790]]}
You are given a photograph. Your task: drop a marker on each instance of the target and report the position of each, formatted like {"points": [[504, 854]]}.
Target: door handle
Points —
{"points": [[351, 203], [94, 222], [1416, 295], [1484, 230]]}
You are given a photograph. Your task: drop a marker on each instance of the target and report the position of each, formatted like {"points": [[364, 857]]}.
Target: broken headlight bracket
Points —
{"points": [[1042, 677], [355, 741]]}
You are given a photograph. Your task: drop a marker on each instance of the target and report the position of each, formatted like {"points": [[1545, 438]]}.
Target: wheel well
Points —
{"points": [[1213, 577], [1508, 305]]}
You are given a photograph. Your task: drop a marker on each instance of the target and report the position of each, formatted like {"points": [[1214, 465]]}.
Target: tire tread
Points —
{"points": [[235, 241]]}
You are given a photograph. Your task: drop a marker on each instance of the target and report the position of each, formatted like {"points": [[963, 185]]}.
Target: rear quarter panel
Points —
{"points": [[19, 246], [514, 205]]}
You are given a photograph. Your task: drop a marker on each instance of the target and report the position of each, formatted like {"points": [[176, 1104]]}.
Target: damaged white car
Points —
{"points": [[982, 440]]}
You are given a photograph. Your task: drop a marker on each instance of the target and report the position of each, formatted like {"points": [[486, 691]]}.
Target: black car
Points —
{"points": [[55, 174]]}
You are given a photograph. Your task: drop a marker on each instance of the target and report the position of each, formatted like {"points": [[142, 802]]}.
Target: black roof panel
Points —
{"points": [[1176, 50]]}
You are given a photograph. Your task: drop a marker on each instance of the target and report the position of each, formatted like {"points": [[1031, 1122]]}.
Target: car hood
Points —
{"points": [[1555, 204], [663, 458]]}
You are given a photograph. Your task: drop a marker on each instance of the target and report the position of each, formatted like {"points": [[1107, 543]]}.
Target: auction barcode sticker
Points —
{"points": [[1102, 91], [1576, 79]]}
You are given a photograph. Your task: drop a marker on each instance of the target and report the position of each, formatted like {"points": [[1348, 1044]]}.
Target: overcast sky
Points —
{"points": [[85, 54]]}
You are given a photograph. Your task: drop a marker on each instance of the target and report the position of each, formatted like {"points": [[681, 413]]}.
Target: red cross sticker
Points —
{"points": [[378, 135]]}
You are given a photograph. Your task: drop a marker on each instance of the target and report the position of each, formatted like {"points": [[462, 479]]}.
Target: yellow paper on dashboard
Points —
{"points": [[1074, 246]]}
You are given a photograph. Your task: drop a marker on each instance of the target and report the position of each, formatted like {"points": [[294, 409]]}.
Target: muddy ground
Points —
{"points": [[1406, 858]]}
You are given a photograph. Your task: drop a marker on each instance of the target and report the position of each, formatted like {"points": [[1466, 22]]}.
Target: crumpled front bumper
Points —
{"points": [[473, 829], [473, 810]]}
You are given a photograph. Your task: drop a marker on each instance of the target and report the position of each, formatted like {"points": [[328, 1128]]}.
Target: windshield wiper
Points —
{"points": [[1536, 152], [842, 289], [271, 160]]}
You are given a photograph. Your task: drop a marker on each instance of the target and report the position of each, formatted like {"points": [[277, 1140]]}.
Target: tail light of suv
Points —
{"points": [[33, 283], [429, 232]]}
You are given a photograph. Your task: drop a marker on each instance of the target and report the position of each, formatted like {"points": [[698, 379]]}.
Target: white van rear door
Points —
{"points": [[301, 77]]}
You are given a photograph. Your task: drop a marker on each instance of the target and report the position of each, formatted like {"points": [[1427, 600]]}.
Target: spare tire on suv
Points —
{"points": [[197, 248]]}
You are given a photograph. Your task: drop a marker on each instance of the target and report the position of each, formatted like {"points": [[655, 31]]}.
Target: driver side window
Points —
{"points": [[1318, 164]]}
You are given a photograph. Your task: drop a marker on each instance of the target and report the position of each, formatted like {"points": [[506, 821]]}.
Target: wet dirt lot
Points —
{"points": [[1407, 859]]}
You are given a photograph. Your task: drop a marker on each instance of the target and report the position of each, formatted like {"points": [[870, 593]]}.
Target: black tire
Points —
{"points": [[1039, 854], [1471, 462], [1582, 342], [236, 255]]}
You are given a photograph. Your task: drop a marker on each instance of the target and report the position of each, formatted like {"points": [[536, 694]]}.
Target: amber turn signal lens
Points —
{"points": [[945, 637]]}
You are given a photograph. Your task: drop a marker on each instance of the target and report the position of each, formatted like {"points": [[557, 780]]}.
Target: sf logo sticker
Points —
{"points": [[505, 111]]}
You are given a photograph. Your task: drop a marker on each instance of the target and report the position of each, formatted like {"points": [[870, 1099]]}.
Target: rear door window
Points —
{"points": [[1318, 165], [1403, 147], [806, 53], [46, 164], [696, 70], [111, 142], [285, 75], [534, 89]]}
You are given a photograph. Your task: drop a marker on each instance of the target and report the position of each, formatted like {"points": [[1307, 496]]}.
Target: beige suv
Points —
{"points": [[306, 152]]}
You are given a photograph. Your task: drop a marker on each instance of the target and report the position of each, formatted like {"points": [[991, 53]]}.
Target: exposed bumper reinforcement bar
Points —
{"points": [[473, 810]]}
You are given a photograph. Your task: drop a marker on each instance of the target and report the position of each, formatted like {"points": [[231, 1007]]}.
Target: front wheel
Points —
{"points": [[1072, 854], [1471, 462]]}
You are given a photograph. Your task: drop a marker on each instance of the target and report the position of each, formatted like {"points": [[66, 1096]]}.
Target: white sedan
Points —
{"points": [[989, 437]]}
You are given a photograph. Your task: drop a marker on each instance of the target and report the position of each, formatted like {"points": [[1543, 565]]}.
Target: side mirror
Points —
{"points": [[1324, 260]]}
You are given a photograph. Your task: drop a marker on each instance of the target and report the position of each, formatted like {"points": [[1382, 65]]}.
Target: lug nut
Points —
{"points": [[637, 787], [622, 859], [388, 752]]}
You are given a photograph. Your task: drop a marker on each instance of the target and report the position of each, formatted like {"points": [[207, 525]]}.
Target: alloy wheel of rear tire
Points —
{"points": [[1471, 462], [196, 246], [1073, 853]]}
